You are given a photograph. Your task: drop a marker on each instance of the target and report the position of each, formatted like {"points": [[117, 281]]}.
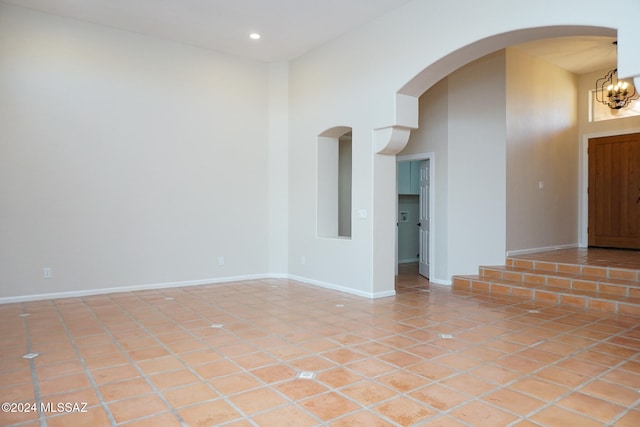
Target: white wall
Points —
{"points": [[125, 160], [477, 162], [354, 81], [531, 106], [121, 154], [333, 262], [432, 136], [462, 121], [542, 134], [278, 167]]}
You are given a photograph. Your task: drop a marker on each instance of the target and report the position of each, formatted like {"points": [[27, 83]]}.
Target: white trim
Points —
{"points": [[407, 260], [153, 286], [410, 157], [370, 295], [431, 156], [201, 282], [583, 181], [441, 282], [542, 249]]}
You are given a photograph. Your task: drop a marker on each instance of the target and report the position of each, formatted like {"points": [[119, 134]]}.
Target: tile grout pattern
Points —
{"points": [[593, 257], [153, 358], [597, 279]]}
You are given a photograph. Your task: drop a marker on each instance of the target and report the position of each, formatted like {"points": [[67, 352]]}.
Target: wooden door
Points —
{"points": [[614, 191]]}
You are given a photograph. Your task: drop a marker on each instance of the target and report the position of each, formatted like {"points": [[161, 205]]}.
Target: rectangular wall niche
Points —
{"points": [[334, 183]]}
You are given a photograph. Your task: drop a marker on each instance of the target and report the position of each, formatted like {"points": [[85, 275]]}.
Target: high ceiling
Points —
{"points": [[579, 55], [289, 28]]}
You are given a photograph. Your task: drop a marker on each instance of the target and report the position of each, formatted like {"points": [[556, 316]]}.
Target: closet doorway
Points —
{"points": [[414, 212]]}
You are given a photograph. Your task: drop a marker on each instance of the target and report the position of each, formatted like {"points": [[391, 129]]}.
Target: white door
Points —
{"points": [[423, 223]]}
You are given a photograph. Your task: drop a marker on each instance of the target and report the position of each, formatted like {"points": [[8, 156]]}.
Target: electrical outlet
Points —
{"points": [[47, 273], [303, 260], [220, 260]]}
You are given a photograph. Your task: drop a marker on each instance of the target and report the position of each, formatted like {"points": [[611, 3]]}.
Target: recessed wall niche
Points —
{"points": [[334, 182]]}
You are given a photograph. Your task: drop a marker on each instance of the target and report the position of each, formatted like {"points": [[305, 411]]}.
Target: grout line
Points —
{"points": [[80, 357], [568, 356], [226, 398], [32, 369], [438, 311]]}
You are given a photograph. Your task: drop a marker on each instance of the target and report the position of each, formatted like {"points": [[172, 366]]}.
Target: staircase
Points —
{"points": [[593, 287]]}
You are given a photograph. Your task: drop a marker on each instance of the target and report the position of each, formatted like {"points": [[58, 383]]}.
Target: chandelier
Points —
{"points": [[613, 93]]}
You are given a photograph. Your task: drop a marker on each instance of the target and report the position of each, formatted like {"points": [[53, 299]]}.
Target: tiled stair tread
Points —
{"points": [[539, 287], [517, 283], [579, 292], [558, 290], [611, 289], [498, 281], [612, 269], [558, 274]]}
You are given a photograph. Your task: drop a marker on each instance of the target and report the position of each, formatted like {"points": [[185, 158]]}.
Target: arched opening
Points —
{"points": [[451, 62], [466, 179]]}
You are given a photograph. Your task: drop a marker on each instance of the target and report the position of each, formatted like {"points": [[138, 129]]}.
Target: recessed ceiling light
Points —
{"points": [[254, 36]]}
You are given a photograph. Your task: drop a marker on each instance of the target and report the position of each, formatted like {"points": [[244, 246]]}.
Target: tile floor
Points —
{"points": [[594, 261], [594, 278], [616, 258], [231, 355]]}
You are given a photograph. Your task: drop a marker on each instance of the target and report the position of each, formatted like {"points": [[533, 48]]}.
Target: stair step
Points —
{"points": [[576, 298], [583, 269], [563, 280], [591, 287]]}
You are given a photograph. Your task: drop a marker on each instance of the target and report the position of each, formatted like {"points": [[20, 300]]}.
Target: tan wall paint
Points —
{"points": [[542, 135], [462, 122]]}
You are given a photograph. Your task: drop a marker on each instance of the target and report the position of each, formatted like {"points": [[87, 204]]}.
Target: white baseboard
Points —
{"points": [[200, 282], [370, 295], [407, 260], [441, 282], [102, 291], [542, 249]]}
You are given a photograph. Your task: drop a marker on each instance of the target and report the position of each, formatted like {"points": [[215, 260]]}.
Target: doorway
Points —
{"points": [[614, 191], [414, 209]]}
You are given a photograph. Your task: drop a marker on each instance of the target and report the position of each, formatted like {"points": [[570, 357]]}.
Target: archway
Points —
{"points": [[406, 118]]}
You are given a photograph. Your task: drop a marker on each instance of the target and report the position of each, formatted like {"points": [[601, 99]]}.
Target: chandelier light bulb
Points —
{"points": [[615, 96]]}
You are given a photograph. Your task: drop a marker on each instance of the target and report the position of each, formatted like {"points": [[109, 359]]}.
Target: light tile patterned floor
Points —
{"points": [[152, 358], [618, 258]]}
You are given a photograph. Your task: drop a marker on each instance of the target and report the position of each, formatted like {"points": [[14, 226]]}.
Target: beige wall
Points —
{"points": [[462, 123], [542, 148], [512, 108], [432, 137]]}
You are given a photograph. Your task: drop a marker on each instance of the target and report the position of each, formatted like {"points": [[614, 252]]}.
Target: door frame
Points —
{"points": [[583, 170], [432, 191]]}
